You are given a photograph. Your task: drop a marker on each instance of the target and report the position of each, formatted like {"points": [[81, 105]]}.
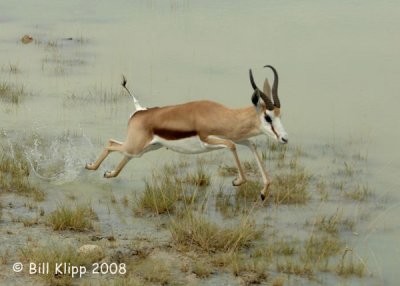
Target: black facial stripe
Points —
{"points": [[276, 133]]}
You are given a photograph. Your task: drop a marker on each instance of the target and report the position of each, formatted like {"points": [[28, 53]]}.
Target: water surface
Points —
{"points": [[338, 64]]}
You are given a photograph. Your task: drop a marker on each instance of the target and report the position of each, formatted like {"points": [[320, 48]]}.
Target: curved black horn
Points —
{"points": [[268, 102], [253, 84], [275, 87]]}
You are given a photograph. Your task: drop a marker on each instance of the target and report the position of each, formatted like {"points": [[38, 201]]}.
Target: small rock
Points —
{"points": [[26, 39], [92, 251], [96, 237]]}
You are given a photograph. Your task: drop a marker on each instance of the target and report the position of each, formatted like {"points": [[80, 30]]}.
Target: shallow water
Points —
{"points": [[338, 66]]}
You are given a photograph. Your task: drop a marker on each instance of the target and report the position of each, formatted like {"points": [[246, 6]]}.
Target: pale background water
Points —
{"points": [[339, 66]]}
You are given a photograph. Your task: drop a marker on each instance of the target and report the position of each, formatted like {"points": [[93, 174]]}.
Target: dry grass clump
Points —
{"points": [[334, 223], [359, 193], [26, 221], [12, 69], [230, 170], [276, 247], [77, 219], [14, 173], [251, 271], [348, 266], [166, 188], [202, 268], [278, 153], [193, 230], [229, 205], [290, 188], [322, 246], [227, 170], [295, 267], [224, 204], [54, 253], [348, 170], [199, 178], [152, 270], [301, 258], [160, 195], [278, 281], [96, 95], [12, 93], [250, 191], [221, 259], [321, 188]]}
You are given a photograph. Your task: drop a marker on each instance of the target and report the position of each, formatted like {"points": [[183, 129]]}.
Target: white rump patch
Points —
{"points": [[190, 145]]}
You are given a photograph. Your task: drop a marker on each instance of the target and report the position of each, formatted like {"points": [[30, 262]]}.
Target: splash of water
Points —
{"points": [[58, 159]]}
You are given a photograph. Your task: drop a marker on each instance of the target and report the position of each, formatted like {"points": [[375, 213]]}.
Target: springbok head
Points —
{"points": [[269, 108]]}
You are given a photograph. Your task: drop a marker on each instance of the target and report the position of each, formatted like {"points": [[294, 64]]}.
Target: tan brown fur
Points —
{"points": [[203, 117]]}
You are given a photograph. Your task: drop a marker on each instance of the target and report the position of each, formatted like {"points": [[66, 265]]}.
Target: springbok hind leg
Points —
{"points": [[113, 145], [121, 165], [241, 179]]}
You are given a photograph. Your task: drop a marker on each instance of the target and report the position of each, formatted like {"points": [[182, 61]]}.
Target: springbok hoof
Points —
{"points": [[262, 197], [107, 174], [237, 182], [88, 166]]}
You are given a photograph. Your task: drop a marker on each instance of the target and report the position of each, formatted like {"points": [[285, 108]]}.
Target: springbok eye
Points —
{"points": [[268, 118]]}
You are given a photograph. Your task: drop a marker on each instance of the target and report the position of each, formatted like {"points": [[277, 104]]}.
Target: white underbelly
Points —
{"points": [[190, 145]]}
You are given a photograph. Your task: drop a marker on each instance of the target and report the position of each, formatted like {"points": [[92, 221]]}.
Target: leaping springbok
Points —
{"points": [[201, 126]]}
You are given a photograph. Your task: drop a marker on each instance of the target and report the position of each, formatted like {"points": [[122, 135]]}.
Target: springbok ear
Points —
{"points": [[267, 88], [255, 98]]}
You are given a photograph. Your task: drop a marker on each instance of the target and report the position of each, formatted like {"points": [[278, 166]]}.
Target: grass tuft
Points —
{"points": [[223, 203], [13, 68], [291, 188], [250, 270], [77, 219], [14, 173], [195, 231], [12, 93], [348, 170], [250, 191], [334, 223], [359, 193], [160, 196], [96, 95], [348, 266], [199, 178], [321, 246], [295, 267], [146, 271], [202, 268], [249, 167]]}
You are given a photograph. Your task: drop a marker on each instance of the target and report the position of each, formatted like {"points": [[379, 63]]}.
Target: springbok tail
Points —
{"points": [[135, 101]]}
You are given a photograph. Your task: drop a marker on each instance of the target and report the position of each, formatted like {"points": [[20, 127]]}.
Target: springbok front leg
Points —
{"points": [[261, 166], [229, 144], [113, 145]]}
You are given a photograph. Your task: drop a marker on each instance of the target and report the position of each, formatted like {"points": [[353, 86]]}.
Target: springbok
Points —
{"points": [[201, 126]]}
